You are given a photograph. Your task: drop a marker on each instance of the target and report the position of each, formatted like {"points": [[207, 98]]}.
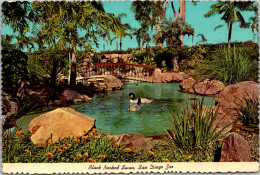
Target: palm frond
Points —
{"points": [[217, 27]]}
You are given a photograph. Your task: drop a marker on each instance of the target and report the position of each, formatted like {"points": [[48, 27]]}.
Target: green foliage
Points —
{"points": [[193, 127], [18, 148], [229, 66], [14, 68], [48, 62], [247, 113]]}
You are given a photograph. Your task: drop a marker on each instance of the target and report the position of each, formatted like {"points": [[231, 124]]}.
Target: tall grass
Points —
{"points": [[192, 127], [247, 113], [229, 66]]}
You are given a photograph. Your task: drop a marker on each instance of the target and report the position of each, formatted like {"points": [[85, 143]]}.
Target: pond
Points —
{"points": [[111, 109]]}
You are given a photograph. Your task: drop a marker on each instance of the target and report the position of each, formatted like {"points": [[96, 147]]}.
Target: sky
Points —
{"points": [[194, 17]]}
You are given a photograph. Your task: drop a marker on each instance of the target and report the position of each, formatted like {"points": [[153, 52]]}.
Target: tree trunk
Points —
{"points": [[54, 72], [69, 69], [120, 44], [175, 63], [182, 17], [229, 34], [253, 35], [116, 43], [73, 74], [160, 44]]}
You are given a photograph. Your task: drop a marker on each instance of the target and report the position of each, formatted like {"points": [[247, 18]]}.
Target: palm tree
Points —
{"points": [[126, 27], [150, 14], [137, 33], [231, 13], [121, 31], [170, 32], [254, 26], [203, 39], [142, 37]]}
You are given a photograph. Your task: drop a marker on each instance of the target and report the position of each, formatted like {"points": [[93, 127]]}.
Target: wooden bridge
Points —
{"points": [[123, 71]]}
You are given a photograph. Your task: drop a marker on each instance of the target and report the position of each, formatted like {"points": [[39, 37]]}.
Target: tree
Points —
{"points": [[231, 14], [150, 14], [122, 30], [61, 21], [254, 26], [17, 15], [203, 39], [170, 32]]}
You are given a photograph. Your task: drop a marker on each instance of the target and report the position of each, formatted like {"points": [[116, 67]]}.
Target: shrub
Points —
{"points": [[192, 127], [48, 62], [229, 66], [14, 68], [247, 113]]}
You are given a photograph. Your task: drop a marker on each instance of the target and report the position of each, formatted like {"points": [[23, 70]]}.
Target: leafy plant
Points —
{"points": [[192, 127], [14, 68], [247, 113], [229, 66]]}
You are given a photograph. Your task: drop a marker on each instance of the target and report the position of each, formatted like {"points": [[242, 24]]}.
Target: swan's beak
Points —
{"points": [[128, 96]]}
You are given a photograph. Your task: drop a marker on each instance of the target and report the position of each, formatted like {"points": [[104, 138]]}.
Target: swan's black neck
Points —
{"points": [[139, 101], [131, 94]]}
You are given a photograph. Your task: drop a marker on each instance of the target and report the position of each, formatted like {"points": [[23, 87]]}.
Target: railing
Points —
{"points": [[125, 71]]}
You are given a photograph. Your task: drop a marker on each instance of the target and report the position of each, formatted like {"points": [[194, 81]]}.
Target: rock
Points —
{"points": [[115, 60], [10, 106], [137, 142], [59, 123], [74, 96], [228, 99], [187, 84], [157, 76], [96, 87], [185, 76], [61, 102], [112, 83], [233, 94], [35, 95], [173, 77], [235, 149], [212, 87]]}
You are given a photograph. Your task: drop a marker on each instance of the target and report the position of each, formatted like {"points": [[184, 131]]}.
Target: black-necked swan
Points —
{"points": [[133, 100], [136, 107]]}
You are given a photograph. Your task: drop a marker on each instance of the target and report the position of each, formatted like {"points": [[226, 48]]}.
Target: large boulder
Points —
{"points": [[10, 106], [157, 76], [59, 123], [234, 94], [187, 85], [173, 77], [228, 99], [235, 149], [112, 83], [212, 87], [74, 96], [137, 142], [35, 95]]}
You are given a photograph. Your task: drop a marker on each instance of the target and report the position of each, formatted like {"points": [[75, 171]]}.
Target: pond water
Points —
{"points": [[111, 109]]}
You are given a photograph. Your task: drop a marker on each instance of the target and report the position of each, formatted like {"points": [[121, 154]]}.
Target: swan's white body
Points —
{"points": [[144, 100], [136, 107]]}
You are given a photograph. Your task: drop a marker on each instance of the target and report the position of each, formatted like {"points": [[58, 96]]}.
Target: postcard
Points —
{"points": [[130, 87]]}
